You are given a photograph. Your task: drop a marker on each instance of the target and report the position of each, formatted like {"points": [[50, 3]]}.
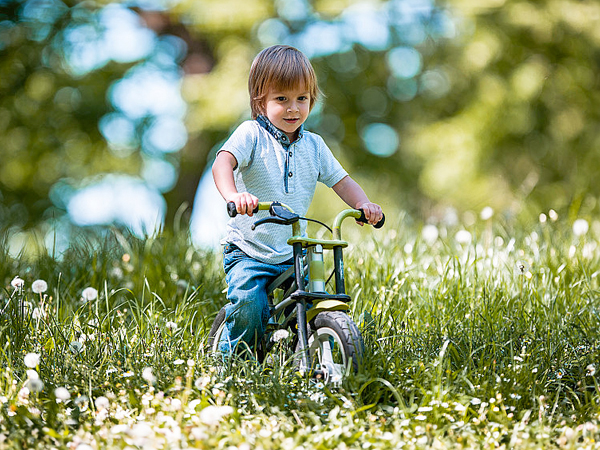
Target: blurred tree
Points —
{"points": [[48, 117], [465, 103]]}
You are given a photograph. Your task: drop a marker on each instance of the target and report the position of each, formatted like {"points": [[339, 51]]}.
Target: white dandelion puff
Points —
{"points": [[280, 335], [430, 233], [486, 213], [62, 394], [17, 282], [32, 360], [102, 403], [172, 326], [212, 415], [89, 294], [580, 227], [148, 375], [39, 286], [463, 237]]}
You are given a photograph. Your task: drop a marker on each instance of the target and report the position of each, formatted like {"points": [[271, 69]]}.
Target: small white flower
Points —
{"points": [[39, 286], [32, 360], [590, 370], [553, 215], [62, 394], [178, 362], [148, 375], [102, 403], [280, 335], [430, 233], [543, 218], [17, 282], [212, 415], [486, 213], [89, 294], [171, 326], [463, 237], [580, 227]]}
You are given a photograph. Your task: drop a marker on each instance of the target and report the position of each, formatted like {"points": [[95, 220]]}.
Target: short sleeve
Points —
{"points": [[241, 143], [330, 170]]}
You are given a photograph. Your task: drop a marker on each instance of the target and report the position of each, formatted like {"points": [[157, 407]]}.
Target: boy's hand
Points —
{"points": [[373, 212], [245, 202]]}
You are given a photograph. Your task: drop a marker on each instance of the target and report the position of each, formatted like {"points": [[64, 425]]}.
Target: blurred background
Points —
{"points": [[111, 112]]}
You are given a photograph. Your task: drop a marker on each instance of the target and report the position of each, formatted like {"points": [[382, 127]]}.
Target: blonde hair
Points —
{"points": [[280, 67]]}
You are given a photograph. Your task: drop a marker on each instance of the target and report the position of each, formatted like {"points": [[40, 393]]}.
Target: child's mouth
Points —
{"points": [[291, 121]]}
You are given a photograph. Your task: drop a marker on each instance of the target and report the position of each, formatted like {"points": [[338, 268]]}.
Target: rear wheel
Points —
{"points": [[335, 345]]}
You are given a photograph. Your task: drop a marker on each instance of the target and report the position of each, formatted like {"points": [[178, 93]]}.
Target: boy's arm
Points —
{"points": [[351, 192], [222, 171]]}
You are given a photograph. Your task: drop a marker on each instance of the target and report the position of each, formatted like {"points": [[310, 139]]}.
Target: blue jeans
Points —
{"points": [[247, 313]]}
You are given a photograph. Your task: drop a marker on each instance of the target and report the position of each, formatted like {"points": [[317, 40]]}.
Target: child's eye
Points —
{"points": [[281, 99], [303, 98]]}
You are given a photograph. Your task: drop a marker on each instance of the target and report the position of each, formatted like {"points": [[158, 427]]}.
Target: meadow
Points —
{"points": [[479, 335]]}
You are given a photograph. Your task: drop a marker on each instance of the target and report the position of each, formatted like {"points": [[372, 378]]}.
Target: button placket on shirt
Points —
{"points": [[291, 168]]}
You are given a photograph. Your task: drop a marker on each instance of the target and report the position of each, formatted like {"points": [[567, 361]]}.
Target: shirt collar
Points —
{"points": [[276, 132]]}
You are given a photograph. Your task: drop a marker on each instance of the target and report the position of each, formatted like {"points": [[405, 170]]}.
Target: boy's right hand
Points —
{"points": [[245, 203]]}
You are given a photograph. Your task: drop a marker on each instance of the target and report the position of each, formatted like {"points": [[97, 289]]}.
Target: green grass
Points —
{"points": [[482, 344]]}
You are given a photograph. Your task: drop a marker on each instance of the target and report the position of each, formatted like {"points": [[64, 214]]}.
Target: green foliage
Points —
{"points": [[489, 336]]}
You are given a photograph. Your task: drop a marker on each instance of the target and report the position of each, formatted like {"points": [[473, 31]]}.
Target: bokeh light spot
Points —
{"points": [[380, 139]]}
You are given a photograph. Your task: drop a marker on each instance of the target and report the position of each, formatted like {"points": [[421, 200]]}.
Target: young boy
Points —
{"points": [[272, 158]]}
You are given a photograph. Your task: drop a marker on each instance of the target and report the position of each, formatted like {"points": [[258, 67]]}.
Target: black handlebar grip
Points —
{"points": [[363, 219], [232, 210]]}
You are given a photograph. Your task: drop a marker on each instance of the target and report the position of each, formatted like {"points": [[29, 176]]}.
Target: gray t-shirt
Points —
{"points": [[272, 173]]}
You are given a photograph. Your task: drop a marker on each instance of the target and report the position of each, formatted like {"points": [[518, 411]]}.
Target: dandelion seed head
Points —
{"points": [[553, 215], [463, 237], [213, 415], [486, 213], [17, 282], [62, 394], [580, 227], [39, 286], [32, 360], [543, 218], [279, 335], [170, 325], [148, 375], [102, 403], [430, 233], [89, 294], [32, 374]]}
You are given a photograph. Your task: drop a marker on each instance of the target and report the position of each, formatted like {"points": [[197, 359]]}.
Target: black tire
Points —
{"points": [[334, 339], [215, 331]]}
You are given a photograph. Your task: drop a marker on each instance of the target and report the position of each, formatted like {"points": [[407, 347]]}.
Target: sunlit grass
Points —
{"points": [[477, 336]]}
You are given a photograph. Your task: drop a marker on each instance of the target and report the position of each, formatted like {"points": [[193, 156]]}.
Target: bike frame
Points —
{"points": [[308, 259]]}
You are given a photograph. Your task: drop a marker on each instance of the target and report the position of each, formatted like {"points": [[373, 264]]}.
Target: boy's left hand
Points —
{"points": [[373, 212]]}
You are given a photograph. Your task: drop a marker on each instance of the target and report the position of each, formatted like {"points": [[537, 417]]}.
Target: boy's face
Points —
{"points": [[287, 109]]}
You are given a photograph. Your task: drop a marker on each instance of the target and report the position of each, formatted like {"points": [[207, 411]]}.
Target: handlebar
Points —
{"points": [[283, 215]]}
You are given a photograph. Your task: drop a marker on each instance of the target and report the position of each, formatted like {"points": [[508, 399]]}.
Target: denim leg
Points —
{"points": [[247, 313]]}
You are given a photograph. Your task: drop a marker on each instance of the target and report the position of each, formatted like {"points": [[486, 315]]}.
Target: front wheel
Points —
{"points": [[335, 345]]}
